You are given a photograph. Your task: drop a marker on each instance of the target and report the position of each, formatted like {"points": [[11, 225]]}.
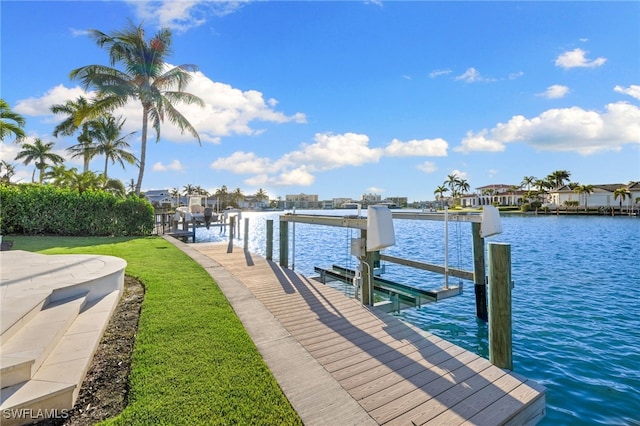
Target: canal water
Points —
{"points": [[576, 300]]}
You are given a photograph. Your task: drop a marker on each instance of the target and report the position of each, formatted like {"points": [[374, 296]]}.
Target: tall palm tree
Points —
{"points": [[76, 112], [110, 143], [586, 190], [222, 195], [621, 193], [40, 153], [145, 77], [261, 195], [452, 182], [11, 123], [528, 182], [462, 186], [559, 177], [237, 196]]}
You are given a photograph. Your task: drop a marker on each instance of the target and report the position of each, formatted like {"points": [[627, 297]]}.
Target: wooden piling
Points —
{"points": [[500, 341], [231, 231], [284, 243], [269, 254], [479, 273], [246, 233]]}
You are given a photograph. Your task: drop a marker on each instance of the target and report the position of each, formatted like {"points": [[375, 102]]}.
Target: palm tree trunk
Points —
{"points": [[106, 164], [143, 147]]}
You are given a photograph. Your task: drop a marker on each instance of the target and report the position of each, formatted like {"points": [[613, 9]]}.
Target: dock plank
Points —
{"points": [[397, 373]]}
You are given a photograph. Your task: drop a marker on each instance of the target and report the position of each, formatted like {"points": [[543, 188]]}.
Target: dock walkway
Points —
{"points": [[341, 363]]}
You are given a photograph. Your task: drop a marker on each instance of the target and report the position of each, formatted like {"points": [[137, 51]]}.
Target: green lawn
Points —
{"points": [[193, 362]]}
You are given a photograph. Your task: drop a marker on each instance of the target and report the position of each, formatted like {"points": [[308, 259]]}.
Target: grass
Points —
{"points": [[193, 362]]}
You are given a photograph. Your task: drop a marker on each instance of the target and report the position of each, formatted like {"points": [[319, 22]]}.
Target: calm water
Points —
{"points": [[576, 301]]}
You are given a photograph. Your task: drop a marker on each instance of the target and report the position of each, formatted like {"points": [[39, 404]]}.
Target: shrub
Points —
{"points": [[33, 209]]}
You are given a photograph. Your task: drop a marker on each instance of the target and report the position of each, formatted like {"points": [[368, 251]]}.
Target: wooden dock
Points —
{"points": [[398, 374]]}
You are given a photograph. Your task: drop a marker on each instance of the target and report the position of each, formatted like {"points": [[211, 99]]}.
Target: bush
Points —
{"points": [[33, 209]]}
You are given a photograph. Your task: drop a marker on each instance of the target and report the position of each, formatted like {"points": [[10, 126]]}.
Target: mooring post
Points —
{"points": [[367, 272], [246, 233], [479, 273], [269, 239], [231, 230], [500, 342], [284, 243]]}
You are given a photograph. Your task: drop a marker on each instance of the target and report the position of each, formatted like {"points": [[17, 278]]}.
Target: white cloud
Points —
{"points": [[438, 73], [633, 90], [427, 167], [56, 95], [414, 148], [174, 166], [243, 163], [555, 91], [181, 15], [330, 151], [479, 142], [375, 190], [472, 75], [515, 75], [576, 59], [566, 129]]}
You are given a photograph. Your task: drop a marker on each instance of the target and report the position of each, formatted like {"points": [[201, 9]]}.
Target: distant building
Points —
{"points": [[302, 201], [500, 194], [163, 198], [368, 199], [602, 196]]}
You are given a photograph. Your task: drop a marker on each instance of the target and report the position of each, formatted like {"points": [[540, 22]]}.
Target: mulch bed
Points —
{"points": [[105, 388]]}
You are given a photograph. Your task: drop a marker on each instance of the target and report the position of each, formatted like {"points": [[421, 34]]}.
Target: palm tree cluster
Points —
{"points": [[137, 71], [454, 184]]}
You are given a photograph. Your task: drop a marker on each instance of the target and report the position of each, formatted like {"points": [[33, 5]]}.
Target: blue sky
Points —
{"points": [[343, 98]]}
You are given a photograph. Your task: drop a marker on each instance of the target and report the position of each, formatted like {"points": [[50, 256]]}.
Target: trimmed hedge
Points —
{"points": [[33, 209]]}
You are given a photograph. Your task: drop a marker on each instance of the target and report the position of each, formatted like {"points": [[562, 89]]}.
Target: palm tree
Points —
{"points": [[145, 78], [7, 170], [463, 186], [113, 186], [439, 192], [237, 196], [76, 111], [586, 190], [109, 143], [40, 153], [60, 176], [452, 182], [11, 123], [528, 181], [188, 189], [222, 195], [131, 187], [559, 177], [621, 193]]}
